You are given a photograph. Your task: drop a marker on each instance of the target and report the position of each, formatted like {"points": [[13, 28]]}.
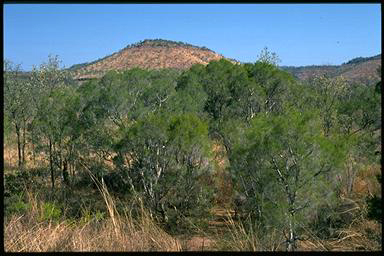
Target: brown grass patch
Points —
{"points": [[28, 233], [21, 235]]}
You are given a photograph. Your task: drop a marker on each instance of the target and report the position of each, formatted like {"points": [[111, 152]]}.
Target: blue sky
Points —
{"points": [[301, 34]]}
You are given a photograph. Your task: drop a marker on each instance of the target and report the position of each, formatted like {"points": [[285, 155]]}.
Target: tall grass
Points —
{"points": [[246, 236], [361, 235], [32, 232]]}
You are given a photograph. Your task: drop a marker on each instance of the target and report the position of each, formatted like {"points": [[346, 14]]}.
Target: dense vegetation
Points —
{"points": [[294, 149], [362, 59]]}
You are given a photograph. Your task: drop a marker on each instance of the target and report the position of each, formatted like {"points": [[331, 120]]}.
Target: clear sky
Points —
{"points": [[301, 34]]}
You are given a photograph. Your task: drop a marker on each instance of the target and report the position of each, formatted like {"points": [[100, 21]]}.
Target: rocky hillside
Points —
{"points": [[148, 54], [359, 70]]}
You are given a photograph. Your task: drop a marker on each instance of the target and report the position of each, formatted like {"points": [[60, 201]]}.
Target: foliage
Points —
{"points": [[162, 159], [286, 167], [50, 211], [16, 204], [17, 107], [294, 149], [362, 59], [268, 57]]}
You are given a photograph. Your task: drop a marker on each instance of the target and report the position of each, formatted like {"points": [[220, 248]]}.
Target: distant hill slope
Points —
{"points": [[359, 70], [148, 54]]}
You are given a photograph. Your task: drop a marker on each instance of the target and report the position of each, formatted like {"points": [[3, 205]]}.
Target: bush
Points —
{"points": [[50, 211], [15, 204], [15, 183], [374, 208], [331, 218]]}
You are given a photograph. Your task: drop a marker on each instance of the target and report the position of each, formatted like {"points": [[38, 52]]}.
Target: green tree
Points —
{"points": [[329, 92], [226, 85], [271, 85], [190, 95], [286, 167], [268, 57], [162, 158], [50, 99], [17, 97]]}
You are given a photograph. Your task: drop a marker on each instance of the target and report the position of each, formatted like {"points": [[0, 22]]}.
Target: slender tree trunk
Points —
{"points": [[51, 165], [65, 173], [73, 170], [291, 239], [33, 153], [33, 148], [23, 146], [327, 126], [60, 159], [18, 145], [351, 175]]}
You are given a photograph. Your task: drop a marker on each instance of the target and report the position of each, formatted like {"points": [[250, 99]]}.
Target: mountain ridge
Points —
{"points": [[149, 54], [162, 53], [358, 70]]}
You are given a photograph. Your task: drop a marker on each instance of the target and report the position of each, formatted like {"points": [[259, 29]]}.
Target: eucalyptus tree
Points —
{"points": [[270, 84], [50, 99], [329, 92], [229, 96], [160, 89], [286, 167], [126, 96], [359, 117], [351, 110], [116, 101], [158, 152], [190, 95], [162, 157], [359, 109], [225, 84], [17, 107], [268, 57]]}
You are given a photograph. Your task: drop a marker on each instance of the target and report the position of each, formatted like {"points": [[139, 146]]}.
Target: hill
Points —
{"points": [[358, 70], [148, 54]]}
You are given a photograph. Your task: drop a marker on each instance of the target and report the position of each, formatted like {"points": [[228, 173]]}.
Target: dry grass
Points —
{"points": [[28, 233], [361, 236], [11, 158], [123, 232], [241, 238], [22, 235], [358, 237]]}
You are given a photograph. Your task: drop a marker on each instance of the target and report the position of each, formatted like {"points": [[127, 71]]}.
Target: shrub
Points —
{"points": [[16, 204], [50, 211]]}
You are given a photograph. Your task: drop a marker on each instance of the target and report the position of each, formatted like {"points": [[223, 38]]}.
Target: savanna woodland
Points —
{"points": [[224, 156]]}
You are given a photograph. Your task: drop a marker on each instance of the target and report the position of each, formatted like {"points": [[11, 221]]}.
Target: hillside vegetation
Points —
{"points": [[218, 156], [148, 54], [357, 70]]}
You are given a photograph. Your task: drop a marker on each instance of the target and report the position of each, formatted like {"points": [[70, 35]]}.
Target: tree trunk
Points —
{"points": [[291, 239], [327, 125], [23, 146], [351, 175], [18, 145], [33, 148], [33, 154], [65, 173], [51, 165]]}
